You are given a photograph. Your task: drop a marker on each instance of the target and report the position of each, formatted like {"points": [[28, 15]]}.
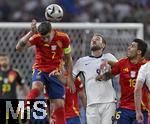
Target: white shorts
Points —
{"points": [[100, 113]]}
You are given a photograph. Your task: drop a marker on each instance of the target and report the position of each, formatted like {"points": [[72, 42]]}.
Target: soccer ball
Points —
{"points": [[53, 13]]}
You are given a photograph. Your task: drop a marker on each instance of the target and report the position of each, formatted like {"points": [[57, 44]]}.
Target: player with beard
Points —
{"points": [[128, 68], [100, 94], [10, 80]]}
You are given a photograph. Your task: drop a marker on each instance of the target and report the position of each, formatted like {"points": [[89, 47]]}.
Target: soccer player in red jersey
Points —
{"points": [[128, 69], [72, 112], [52, 46]]}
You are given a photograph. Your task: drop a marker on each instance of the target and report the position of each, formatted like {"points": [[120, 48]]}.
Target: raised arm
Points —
{"points": [[24, 40]]}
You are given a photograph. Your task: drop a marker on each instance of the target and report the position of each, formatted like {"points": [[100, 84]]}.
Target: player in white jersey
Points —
{"points": [[143, 78], [100, 94]]}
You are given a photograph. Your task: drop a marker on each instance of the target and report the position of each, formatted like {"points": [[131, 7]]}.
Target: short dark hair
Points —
{"points": [[141, 46], [44, 28]]}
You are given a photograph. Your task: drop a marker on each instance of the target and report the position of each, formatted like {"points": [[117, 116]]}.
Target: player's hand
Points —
{"points": [[62, 78], [140, 117], [59, 75], [54, 72], [51, 121], [33, 26], [101, 77], [103, 64]]}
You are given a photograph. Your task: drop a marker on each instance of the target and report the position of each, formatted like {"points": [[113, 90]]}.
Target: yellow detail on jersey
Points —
{"points": [[6, 88], [46, 45], [1, 78], [67, 50], [132, 82], [53, 56], [117, 115], [75, 110], [126, 69]]}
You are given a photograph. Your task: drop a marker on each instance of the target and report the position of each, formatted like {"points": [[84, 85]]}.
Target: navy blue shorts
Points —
{"points": [[73, 120], [54, 87], [127, 116]]}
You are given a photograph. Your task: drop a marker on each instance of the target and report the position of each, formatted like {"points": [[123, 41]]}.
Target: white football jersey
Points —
{"points": [[96, 91], [144, 74]]}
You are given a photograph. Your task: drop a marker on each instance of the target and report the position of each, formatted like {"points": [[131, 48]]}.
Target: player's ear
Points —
{"points": [[103, 46], [139, 52]]}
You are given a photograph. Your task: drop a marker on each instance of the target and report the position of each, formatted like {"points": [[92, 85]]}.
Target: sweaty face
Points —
{"points": [[4, 61], [132, 50], [96, 43]]}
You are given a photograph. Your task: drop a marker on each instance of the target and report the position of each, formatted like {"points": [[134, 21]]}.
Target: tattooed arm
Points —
{"points": [[24, 40]]}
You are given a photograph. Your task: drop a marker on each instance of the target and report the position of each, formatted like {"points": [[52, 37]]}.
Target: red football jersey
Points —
{"points": [[128, 73], [71, 100], [49, 55]]}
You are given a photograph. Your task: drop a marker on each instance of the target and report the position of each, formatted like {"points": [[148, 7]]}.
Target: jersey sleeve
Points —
{"points": [[112, 57], [78, 84], [77, 68], [142, 73], [34, 40], [116, 68]]}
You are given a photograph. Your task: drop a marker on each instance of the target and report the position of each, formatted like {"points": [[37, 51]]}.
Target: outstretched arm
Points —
{"points": [[24, 40], [137, 100], [111, 63]]}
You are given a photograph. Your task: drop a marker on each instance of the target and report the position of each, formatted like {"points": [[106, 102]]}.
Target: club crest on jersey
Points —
{"points": [[53, 47], [132, 74], [126, 70]]}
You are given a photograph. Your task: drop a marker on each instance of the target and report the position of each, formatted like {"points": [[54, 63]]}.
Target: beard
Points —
{"points": [[95, 48], [4, 65]]}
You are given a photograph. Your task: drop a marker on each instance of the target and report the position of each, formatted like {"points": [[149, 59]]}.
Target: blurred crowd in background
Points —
{"points": [[79, 11]]}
